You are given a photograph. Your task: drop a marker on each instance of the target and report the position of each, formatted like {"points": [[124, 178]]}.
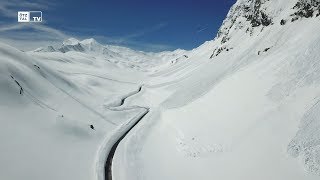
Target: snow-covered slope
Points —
{"points": [[52, 98], [48, 102], [242, 106]]}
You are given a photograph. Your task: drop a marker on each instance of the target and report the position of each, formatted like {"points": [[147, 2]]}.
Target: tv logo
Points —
{"points": [[29, 16]]}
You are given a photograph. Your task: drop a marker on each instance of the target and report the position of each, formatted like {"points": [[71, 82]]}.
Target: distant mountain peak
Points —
{"points": [[71, 41], [89, 41]]}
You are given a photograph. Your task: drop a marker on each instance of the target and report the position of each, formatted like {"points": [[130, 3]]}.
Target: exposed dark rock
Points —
{"points": [[66, 48], [36, 66], [257, 16], [306, 9], [213, 53], [253, 11], [224, 39], [177, 59], [266, 49], [283, 22], [294, 19], [219, 50]]}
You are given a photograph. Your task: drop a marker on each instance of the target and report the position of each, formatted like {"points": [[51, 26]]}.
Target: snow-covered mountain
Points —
{"points": [[117, 54], [242, 106], [50, 98]]}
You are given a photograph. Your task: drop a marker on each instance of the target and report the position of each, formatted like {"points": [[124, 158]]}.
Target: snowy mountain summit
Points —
{"points": [[122, 56], [73, 44], [254, 16]]}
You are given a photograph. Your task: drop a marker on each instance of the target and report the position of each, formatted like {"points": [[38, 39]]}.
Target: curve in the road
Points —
{"points": [[130, 94], [108, 163]]}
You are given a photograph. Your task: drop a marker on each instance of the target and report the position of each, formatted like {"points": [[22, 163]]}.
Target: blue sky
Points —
{"points": [[150, 25]]}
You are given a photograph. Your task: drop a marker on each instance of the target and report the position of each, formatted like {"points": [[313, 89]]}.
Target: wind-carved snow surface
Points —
{"points": [[242, 106]]}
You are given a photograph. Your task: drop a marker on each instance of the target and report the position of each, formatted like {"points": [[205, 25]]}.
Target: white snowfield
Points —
{"points": [[242, 106]]}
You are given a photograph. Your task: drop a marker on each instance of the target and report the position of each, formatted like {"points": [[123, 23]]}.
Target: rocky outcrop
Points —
{"points": [[253, 16], [306, 9], [245, 15], [66, 48], [257, 16], [244, 11]]}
